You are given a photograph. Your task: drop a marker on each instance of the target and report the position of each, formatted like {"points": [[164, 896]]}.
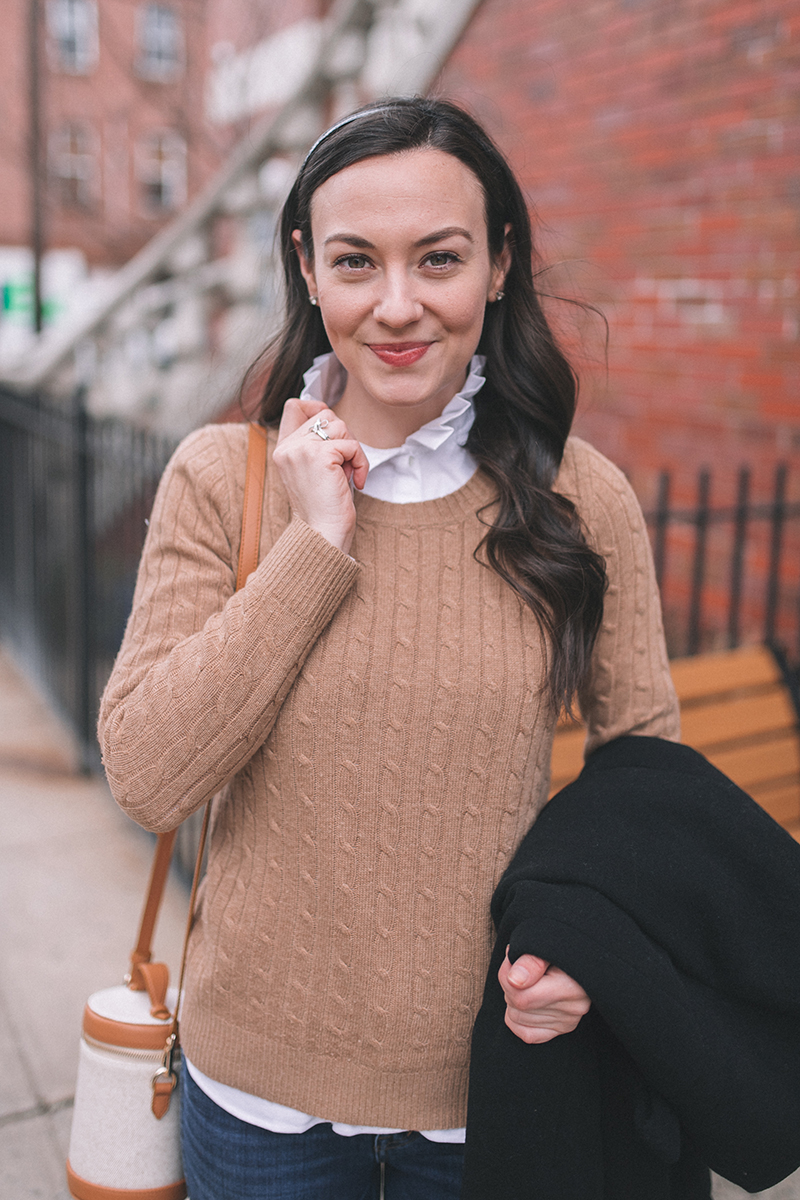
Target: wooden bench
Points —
{"points": [[739, 708]]}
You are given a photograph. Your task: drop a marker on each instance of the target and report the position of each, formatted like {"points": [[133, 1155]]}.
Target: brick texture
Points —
{"points": [[658, 142]]}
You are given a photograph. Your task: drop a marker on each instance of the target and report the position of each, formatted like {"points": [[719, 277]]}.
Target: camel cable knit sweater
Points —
{"points": [[378, 732]]}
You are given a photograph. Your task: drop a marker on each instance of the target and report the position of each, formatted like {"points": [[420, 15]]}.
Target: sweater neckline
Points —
{"points": [[464, 501]]}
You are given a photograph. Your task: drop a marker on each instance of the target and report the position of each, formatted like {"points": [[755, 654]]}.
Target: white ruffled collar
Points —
{"points": [[325, 381]]}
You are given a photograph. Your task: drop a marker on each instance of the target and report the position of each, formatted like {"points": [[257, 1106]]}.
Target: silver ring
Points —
{"points": [[319, 428]]}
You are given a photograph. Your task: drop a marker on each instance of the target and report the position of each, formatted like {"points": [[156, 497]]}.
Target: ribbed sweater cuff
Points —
{"points": [[308, 574]]}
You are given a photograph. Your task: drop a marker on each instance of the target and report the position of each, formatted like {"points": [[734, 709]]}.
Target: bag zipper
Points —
{"points": [[145, 1056]]}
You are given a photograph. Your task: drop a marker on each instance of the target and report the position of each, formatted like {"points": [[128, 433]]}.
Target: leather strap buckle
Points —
{"points": [[165, 1080]]}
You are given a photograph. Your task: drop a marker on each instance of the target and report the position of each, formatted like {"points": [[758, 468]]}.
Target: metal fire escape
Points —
{"points": [[166, 343]]}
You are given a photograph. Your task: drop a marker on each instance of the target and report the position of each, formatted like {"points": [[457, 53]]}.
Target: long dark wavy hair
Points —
{"points": [[524, 411]]}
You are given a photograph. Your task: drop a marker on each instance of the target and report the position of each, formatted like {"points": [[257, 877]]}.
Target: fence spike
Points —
{"points": [[737, 555], [699, 562], [777, 520]]}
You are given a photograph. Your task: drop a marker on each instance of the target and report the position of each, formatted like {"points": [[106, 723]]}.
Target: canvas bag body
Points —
{"points": [[118, 1148]]}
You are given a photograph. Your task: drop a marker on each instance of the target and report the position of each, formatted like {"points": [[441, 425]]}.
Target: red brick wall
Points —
{"points": [[14, 129], [658, 140]]}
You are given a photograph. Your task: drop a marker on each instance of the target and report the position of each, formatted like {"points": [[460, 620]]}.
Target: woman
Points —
{"points": [[441, 570]]}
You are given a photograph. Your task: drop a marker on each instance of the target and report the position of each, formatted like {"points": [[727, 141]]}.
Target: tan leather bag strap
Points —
{"points": [[253, 503], [255, 473], [155, 891]]}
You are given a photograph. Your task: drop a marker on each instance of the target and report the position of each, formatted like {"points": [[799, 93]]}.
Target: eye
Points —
{"points": [[352, 262], [440, 259]]}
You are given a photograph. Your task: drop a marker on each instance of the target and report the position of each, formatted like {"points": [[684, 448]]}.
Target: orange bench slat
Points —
{"points": [[781, 801], [726, 699], [729, 720], [712, 674]]}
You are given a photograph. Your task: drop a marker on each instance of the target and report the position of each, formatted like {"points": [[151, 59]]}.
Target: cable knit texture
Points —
{"points": [[377, 733]]}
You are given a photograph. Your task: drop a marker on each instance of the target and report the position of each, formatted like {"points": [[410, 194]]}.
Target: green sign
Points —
{"points": [[17, 300]]}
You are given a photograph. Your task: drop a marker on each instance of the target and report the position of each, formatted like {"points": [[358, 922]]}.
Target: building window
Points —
{"points": [[160, 41], [72, 35], [72, 164], [161, 168]]}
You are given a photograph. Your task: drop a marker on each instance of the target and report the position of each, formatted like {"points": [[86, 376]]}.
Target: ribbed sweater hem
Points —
{"points": [[333, 1088]]}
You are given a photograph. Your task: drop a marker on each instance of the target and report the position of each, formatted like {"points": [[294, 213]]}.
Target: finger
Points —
{"points": [[330, 425], [347, 454], [534, 1006], [562, 1018], [354, 461], [526, 971], [360, 467], [296, 413], [321, 426], [553, 989], [531, 970], [531, 1036], [563, 983]]}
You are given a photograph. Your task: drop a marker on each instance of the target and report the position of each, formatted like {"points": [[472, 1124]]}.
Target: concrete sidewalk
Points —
{"points": [[73, 870]]}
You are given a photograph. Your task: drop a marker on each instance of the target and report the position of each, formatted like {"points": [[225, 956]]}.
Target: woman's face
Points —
{"points": [[403, 273]]}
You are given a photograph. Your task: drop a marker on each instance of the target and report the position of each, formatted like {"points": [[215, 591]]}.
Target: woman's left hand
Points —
{"points": [[541, 1001]]}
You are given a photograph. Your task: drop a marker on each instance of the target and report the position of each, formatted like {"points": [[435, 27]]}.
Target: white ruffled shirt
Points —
{"points": [[432, 462]]}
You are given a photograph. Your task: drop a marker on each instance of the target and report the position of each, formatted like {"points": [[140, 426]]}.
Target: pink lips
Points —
{"points": [[399, 354]]}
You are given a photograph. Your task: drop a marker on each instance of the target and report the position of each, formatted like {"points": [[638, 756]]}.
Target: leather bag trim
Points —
{"points": [[81, 1189], [121, 1033]]}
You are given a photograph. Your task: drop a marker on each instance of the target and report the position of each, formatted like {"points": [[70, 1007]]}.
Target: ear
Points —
{"points": [[306, 268], [501, 265]]}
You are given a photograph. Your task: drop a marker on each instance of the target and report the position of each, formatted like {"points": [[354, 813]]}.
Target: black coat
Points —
{"points": [[674, 900]]}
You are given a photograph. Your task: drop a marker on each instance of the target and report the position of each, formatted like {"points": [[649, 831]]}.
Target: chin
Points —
{"points": [[392, 399]]}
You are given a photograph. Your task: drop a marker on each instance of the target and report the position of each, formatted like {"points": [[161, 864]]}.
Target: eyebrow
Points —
{"points": [[352, 239]]}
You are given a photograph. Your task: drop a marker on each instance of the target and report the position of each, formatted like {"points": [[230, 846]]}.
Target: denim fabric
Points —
{"points": [[228, 1159]]}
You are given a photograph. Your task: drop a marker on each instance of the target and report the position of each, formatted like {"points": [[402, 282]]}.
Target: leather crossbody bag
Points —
{"points": [[125, 1139]]}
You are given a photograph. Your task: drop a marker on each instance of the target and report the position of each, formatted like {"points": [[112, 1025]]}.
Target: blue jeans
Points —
{"points": [[228, 1159]]}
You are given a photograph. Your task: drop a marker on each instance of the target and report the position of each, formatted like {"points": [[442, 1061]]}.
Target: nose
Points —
{"points": [[397, 303]]}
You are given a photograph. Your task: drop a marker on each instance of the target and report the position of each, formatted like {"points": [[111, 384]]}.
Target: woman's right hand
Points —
{"points": [[317, 473]]}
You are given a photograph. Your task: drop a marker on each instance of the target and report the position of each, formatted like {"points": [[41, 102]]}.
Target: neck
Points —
{"points": [[382, 425]]}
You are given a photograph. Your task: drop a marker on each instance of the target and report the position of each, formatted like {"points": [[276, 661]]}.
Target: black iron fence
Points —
{"points": [[729, 572], [76, 493]]}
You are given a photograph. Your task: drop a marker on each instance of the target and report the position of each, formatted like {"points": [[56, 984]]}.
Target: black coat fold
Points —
{"points": [[674, 900]]}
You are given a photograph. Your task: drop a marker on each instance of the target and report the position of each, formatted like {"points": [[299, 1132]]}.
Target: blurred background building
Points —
{"points": [[659, 144], [146, 150], [104, 138]]}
